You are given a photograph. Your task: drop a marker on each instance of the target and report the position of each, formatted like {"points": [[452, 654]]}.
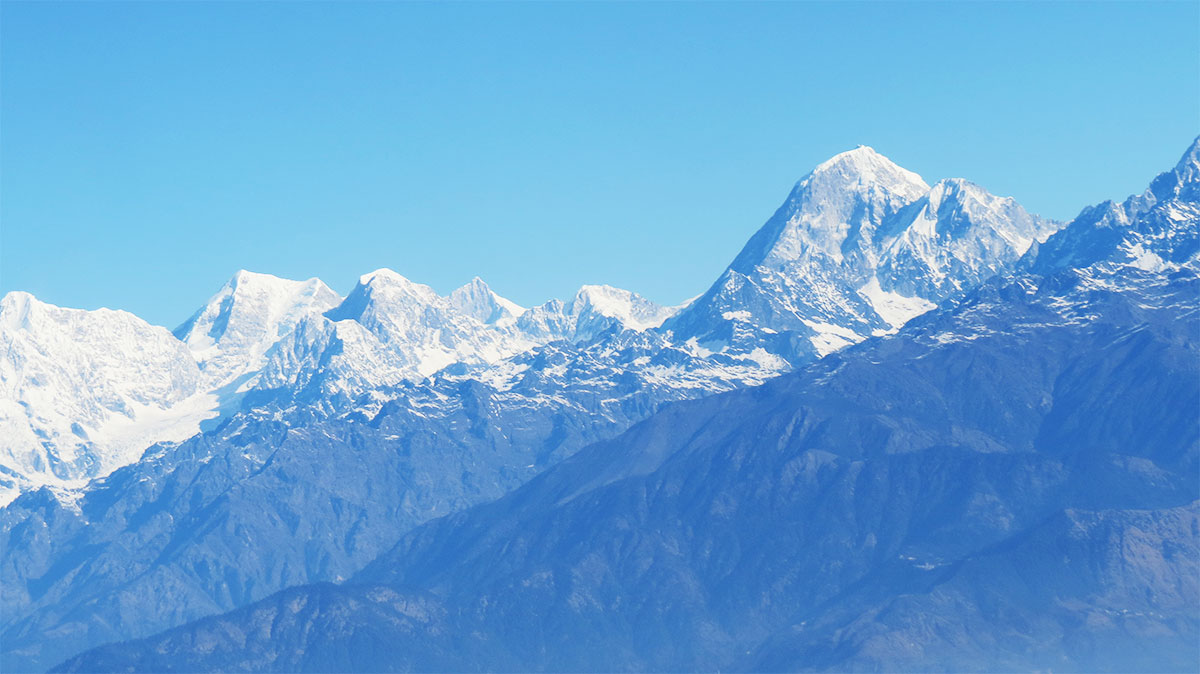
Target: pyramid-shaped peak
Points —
{"points": [[475, 285], [865, 166], [958, 188], [477, 299], [386, 291], [843, 199]]}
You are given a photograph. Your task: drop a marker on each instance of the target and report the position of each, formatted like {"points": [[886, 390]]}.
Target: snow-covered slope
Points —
{"points": [[84, 392], [859, 247], [323, 360], [233, 330]]}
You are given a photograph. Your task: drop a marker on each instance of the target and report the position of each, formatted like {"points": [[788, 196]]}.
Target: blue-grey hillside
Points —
{"points": [[275, 497], [1009, 483]]}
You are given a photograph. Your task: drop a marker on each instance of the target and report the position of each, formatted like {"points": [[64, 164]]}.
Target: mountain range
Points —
{"points": [[842, 455], [859, 247]]}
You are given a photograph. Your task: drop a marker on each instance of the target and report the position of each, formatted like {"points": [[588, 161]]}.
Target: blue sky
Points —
{"points": [[149, 150]]}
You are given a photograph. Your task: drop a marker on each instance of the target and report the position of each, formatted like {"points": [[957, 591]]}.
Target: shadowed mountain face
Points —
{"points": [[1009, 483]]}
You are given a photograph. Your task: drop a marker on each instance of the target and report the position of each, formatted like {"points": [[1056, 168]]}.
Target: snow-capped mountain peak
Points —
{"points": [[859, 247], [630, 309], [866, 167], [420, 331], [954, 237], [593, 310], [478, 300], [384, 277], [390, 305], [382, 287], [833, 211], [237, 325], [962, 202]]}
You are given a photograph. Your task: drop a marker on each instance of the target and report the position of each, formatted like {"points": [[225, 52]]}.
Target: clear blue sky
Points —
{"points": [[149, 150]]}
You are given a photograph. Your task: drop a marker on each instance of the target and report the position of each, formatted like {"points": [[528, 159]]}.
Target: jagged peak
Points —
{"points": [[1154, 230], [628, 307], [478, 287], [989, 215], [475, 284], [387, 296], [963, 191], [606, 299], [477, 299], [956, 185]]}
